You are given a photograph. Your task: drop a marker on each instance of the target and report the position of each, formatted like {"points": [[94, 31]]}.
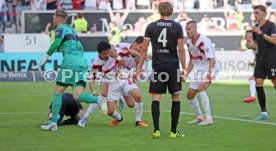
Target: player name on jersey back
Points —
{"points": [[163, 51], [164, 24]]}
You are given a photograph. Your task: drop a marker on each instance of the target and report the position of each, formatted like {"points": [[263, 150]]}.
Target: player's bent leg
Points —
{"points": [[78, 95], [206, 105], [129, 101], [191, 96], [113, 113]]}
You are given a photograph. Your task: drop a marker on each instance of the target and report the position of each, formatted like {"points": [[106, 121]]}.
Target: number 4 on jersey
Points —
{"points": [[163, 37]]}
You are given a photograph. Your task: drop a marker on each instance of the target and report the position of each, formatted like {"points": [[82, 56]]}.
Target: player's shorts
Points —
{"points": [[198, 76], [163, 76], [72, 76], [265, 70], [118, 88]]}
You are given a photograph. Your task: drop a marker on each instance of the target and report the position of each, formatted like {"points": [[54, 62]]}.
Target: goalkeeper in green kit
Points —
{"points": [[73, 69]]}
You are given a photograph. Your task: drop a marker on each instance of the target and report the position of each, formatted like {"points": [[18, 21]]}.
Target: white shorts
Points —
{"points": [[118, 88], [198, 76]]}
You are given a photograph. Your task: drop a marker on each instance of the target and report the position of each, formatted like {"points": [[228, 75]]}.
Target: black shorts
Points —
{"points": [[169, 76], [265, 70]]}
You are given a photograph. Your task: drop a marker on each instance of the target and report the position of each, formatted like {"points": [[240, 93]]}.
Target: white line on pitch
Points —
{"points": [[187, 113], [21, 113], [230, 118]]}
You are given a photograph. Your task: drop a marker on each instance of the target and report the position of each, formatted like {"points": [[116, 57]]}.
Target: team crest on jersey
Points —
{"points": [[58, 33]]}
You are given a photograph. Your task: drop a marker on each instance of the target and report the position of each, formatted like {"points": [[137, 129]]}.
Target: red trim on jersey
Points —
{"points": [[196, 58], [200, 47], [99, 67], [193, 42], [100, 57], [115, 65], [123, 54], [94, 76], [266, 22]]}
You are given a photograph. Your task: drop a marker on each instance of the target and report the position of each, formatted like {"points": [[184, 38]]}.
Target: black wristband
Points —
{"points": [[262, 34]]}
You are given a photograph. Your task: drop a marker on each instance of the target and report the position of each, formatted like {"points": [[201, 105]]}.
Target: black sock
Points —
{"points": [[155, 112], [175, 111], [275, 87], [261, 98]]}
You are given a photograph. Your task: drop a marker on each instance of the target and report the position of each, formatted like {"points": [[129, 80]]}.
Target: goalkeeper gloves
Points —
{"points": [[42, 62]]}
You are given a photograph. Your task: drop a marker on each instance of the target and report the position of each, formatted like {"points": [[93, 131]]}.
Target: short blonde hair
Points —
{"points": [[61, 13]]}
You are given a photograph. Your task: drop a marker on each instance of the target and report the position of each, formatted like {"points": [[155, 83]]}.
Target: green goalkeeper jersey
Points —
{"points": [[66, 40]]}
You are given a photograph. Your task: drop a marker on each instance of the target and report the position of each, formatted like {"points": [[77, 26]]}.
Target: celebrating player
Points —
{"points": [[130, 54]]}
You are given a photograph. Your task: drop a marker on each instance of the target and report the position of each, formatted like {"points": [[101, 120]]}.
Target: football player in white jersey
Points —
{"points": [[203, 63], [129, 54], [252, 82]]}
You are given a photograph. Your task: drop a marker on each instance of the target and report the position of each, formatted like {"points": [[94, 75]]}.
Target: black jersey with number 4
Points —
{"points": [[266, 50], [164, 35]]}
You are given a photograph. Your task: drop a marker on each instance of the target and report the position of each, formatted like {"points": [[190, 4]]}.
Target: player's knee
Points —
{"points": [[103, 94], [131, 105], [138, 98], [109, 112], [190, 97]]}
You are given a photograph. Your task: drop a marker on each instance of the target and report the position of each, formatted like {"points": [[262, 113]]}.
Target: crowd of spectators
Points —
{"points": [[10, 11]]}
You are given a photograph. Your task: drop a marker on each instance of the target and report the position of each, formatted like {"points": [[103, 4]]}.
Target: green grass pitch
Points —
{"points": [[23, 108]]}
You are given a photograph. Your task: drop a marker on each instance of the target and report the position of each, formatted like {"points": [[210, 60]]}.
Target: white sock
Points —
{"points": [[252, 87], [264, 113], [195, 106], [206, 104], [139, 110], [123, 99], [116, 115], [92, 107]]}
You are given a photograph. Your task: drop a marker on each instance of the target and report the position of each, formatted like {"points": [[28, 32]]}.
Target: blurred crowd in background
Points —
{"points": [[10, 11]]}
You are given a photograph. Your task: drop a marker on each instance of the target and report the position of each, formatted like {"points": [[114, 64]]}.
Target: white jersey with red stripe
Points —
{"points": [[130, 61], [96, 66], [200, 52]]}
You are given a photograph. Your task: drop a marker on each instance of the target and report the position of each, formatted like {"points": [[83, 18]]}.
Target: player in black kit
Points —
{"points": [[69, 108], [165, 36], [264, 36]]}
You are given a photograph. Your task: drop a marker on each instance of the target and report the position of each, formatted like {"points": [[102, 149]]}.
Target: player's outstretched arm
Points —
{"points": [[50, 51]]}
